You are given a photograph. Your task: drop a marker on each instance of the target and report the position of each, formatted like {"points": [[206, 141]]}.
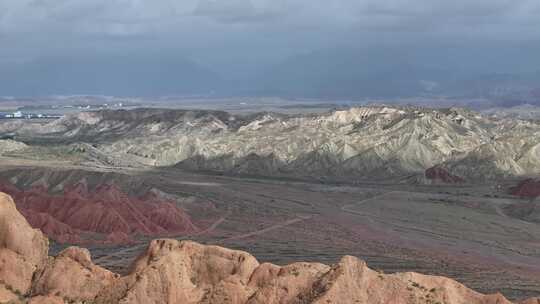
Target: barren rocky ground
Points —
{"points": [[90, 180], [171, 271], [462, 232]]}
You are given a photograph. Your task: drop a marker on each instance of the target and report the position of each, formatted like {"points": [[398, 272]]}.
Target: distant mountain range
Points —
{"points": [[108, 75], [375, 142], [353, 73], [339, 73]]}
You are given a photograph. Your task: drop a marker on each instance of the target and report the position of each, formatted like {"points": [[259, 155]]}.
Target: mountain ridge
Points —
{"points": [[358, 143]]}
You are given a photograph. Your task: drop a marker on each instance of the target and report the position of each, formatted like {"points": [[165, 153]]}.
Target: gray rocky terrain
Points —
{"points": [[361, 143], [447, 192]]}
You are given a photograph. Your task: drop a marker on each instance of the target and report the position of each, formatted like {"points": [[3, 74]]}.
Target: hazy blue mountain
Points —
{"points": [[350, 73], [510, 74], [108, 75]]}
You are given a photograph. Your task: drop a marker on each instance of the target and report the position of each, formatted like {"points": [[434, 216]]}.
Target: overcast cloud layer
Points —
{"points": [[250, 34], [25, 21]]}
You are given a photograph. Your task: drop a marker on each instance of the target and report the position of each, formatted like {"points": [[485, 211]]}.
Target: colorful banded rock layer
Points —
{"points": [[105, 211]]}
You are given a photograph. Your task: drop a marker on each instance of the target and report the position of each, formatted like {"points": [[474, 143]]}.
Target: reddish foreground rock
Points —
{"points": [[175, 272], [528, 188], [438, 174], [23, 252], [105, 211], [73, 276]]}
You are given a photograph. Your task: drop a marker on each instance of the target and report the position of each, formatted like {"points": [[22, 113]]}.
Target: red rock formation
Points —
{"points": [[23, 252], [171, 271], [73, 276], [26, 271], [116, 238], [527, 188], [440, 174], [53, 228], [105, 210], [185, 272]]}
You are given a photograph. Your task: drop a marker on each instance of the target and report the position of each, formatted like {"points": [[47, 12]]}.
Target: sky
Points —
{"points": [[239, 37]]}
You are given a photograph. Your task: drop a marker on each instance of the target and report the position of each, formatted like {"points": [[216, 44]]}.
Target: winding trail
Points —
{"points": [[500, 212], [346, 208], [268, 229], [218, 222], [145, 244], [214, 225], [105, 258]]}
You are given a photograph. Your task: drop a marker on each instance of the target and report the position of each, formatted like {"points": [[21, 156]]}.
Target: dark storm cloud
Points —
{"points": [[135, 16], [241, 35], [81, 22]]}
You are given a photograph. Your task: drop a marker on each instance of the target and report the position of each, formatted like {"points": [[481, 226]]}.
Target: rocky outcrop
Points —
{"points": [[351, 281], [438, 174], [527, 188], [275, 284], [28, 273], [186, 272], [171, 271], [106, 211], [528, 210], [73, 276], [23, 252]]}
